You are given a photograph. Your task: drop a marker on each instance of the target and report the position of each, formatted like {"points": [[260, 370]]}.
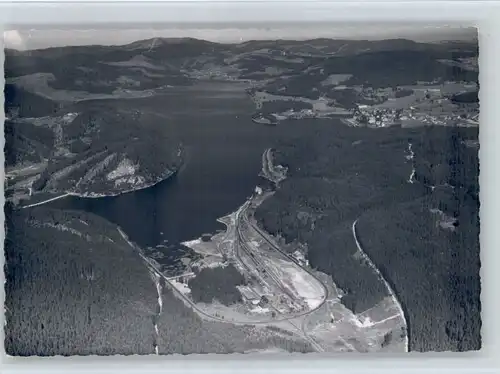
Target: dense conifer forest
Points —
{"points": [[339, 174]]}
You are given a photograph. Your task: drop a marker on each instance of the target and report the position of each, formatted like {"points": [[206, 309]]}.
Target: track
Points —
{"points": [[260, 265], [152, 266], [318, 347], [289, 258]]}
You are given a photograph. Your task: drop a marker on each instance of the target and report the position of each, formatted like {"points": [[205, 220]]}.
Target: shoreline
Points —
{"points": [[93, 195]]}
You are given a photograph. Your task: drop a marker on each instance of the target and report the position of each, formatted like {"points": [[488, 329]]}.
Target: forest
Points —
{"points": [[217, 283], [338, 174], [91, 143], [387, 68], [332, 179], [19, 102], [25, 142], [182, 331], [74, 287]]}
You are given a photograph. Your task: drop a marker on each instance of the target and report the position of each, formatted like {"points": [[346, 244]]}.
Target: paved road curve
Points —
{"points": [[381, 277]]}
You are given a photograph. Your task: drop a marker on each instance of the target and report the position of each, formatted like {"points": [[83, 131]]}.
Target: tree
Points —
{"points": [[387, 339]]}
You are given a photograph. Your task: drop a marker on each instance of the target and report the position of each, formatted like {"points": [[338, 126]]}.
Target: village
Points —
{"points": [[416, 106]]}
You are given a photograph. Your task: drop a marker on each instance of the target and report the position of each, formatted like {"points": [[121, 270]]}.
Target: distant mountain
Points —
{"points": [[77, 82], [159, 61], [387, 68], [78, 122]]}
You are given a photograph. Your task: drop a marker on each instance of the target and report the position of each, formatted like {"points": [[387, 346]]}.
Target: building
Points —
{"points": [[263, 301], [248, 295]]}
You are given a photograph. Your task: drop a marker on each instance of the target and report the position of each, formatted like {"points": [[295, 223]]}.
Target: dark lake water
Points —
{"points": [[224, 149]]}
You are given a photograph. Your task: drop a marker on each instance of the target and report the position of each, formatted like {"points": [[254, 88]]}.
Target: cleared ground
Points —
{"points": [[296, 299]]}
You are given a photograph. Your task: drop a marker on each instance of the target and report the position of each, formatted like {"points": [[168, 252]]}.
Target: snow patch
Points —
{"points": [[411, 153], [61, 227], [299, 256], [181, 287], [335, 79], [158, 289], [410, 157], [69, 117], [124, 168], [132, 180], [368, 322], [304, 285], [191, 243], [411, 179], [98, 168], [259, 310], [445, 221], [156, 278]]}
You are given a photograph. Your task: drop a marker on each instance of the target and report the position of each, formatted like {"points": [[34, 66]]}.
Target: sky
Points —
{"points": [[42, 38]]}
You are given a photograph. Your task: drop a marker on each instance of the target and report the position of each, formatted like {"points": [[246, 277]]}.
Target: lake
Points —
{"points": [[224, 149]]}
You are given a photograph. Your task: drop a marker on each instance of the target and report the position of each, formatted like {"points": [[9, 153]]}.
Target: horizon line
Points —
{"points": [[30, 40]]}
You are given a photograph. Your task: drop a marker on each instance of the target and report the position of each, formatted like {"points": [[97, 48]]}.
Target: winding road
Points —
{"points": [[153, 267], [233, 229], [381, 277]]}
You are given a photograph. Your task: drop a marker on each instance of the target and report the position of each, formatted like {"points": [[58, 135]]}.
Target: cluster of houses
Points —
{"points": [[367, 116], [374, 116]]}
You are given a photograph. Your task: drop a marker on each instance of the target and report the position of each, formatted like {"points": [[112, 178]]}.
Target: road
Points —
{"points": [[288, 258], [45, 201], [258, 265], [381, 277], [152, 266], [302, 328], [299, 325]]}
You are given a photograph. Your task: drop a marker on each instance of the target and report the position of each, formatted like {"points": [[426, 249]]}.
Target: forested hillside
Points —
{"points": [[399, 172], [377, 69], [337, 174], [431, 245], [74, 286], [217, 283], [87, 153], [182, 331]]}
